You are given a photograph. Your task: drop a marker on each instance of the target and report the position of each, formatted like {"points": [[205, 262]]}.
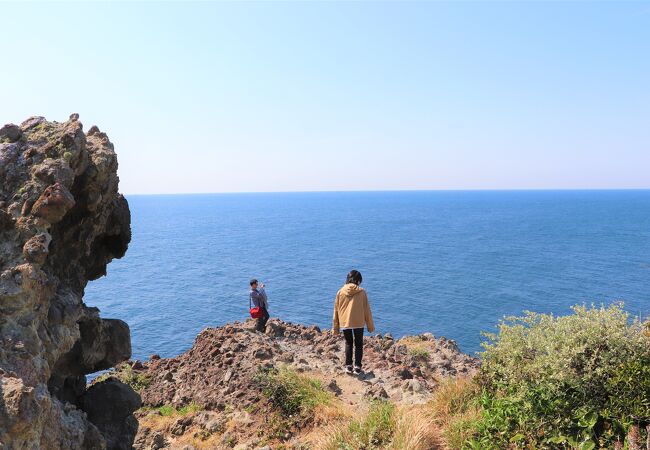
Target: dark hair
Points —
{"points": [[354, 277], [253, 281]]}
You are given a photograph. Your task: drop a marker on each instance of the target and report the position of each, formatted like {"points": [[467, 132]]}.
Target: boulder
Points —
{"points": [[110, 405], [10, 132]]}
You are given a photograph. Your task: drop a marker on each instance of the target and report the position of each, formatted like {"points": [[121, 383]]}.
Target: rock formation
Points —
{"points": [[217, 376], [62, 221]]}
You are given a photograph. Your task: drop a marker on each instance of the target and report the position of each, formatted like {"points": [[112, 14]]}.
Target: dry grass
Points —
{"points": [[417, 346], [384, 426], [332, 412], [453, 410], [156, 422], [415, 430], [211, 443], [168, 415]]}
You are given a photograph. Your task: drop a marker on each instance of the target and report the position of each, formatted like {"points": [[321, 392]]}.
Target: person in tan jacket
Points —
{"points": [[351, 314]]}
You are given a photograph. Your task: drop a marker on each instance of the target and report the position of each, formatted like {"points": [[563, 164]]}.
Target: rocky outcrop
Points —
{"points": [[218, 376], [62, 221], [218, 370]]}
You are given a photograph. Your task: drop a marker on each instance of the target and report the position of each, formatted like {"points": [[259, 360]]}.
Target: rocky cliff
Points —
{"points": [[240, 388], [62, 221]]}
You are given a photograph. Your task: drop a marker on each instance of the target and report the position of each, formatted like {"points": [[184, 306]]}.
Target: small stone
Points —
{"points": [[376, 392], [137, 365], [404, 373], [262, 354], [334, 387]]}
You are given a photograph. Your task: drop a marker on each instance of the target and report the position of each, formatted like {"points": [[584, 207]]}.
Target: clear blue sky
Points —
{"points": [[222, 97]]}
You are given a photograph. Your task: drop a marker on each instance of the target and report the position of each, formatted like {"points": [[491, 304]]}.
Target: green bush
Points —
{"points": [[577, 381], [293, 395]]}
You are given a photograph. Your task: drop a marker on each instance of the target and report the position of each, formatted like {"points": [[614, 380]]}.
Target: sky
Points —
{"points": [[331, 96]]}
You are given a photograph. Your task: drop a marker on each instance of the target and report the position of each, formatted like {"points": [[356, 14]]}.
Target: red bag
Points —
{"points": [[256, 312]]}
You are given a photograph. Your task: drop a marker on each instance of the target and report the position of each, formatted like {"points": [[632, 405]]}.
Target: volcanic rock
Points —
{"points": [[62, 221], [218, 375]]}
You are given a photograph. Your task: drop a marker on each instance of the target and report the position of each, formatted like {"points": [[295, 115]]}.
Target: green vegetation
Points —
{"points": [[580, 381], [127, 375], [169, 410], [419, 353], [291, 394]]}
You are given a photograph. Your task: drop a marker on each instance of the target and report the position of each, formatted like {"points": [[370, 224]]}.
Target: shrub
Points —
{"points": [[292, 394], [575, 381]]}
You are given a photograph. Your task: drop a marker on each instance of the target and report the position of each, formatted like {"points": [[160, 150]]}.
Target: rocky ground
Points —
{"points": [[62, 221], [216, 383]]}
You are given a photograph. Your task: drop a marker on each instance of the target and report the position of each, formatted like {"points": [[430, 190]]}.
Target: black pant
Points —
{"points": [[261, 321], [355, 336]]}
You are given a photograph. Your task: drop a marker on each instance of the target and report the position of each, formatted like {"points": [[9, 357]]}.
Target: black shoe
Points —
{"points": [[348, 370], [357, 371]]}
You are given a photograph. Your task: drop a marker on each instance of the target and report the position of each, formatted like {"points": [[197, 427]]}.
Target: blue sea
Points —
{"points": [[452, 263]]}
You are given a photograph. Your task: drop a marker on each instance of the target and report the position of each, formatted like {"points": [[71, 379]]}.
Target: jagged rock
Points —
{"points": [[35, 249], [10, 132], [227, 359], [376, 391], [220, 376], [54, 203], [62, 221]]}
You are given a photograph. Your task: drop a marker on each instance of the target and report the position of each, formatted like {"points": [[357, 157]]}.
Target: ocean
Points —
{"points": [[452, 263]]}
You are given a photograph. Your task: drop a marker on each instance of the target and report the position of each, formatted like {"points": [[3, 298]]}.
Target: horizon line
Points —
{"points": [[393, 191]]}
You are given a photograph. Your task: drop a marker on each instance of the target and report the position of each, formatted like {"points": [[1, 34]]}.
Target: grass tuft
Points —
{"points": [[127, 375], [455, 410], [293, 395]]}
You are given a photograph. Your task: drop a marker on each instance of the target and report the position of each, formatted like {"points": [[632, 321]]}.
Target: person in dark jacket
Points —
{"points": [[258, 298]]}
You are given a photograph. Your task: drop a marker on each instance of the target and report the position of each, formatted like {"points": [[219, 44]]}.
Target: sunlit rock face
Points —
{"points": [[62, 221]]}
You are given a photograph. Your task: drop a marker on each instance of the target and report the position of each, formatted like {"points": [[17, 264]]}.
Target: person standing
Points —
{"points": [[351, 314], [259, 298]]}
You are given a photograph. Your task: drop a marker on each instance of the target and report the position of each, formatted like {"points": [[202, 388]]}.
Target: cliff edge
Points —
{"points": [[286, 388], [62, 221]]}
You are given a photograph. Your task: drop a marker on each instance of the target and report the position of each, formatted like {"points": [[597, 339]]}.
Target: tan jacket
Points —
{"points": [[351, 309]]}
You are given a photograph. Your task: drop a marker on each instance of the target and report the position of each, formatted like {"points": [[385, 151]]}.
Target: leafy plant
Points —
{"points": [[577, 381]]}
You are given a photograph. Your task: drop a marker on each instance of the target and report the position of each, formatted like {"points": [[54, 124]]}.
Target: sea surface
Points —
{"points": [[452, 263]]}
